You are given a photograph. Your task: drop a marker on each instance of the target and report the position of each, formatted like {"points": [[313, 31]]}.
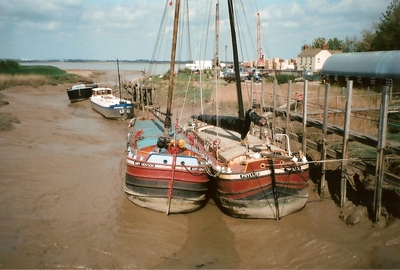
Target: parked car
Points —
{"points": [[255, 74], [230, 77]]}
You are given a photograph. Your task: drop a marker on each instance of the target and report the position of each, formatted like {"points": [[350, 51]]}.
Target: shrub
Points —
{"points": [[8, 65], [12, 73], [284, 78], [394, 122]]}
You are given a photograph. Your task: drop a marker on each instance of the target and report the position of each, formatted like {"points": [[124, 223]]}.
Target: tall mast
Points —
{"points": [[259, 49], [216, 59], [119, 82], [167, 124], [236, 59]]}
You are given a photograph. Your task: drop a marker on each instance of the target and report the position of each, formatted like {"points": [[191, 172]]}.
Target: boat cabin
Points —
{"points": [[103, 91]]}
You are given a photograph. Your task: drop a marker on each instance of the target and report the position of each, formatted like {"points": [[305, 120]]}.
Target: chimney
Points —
{"points": [[305, 46], [324, 46]]}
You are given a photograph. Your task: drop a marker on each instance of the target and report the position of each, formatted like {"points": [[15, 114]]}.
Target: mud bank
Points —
{"points": [[62, 205]]}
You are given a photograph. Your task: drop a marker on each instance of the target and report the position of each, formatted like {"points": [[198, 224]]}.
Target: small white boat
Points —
{"points": [[104, 102]]}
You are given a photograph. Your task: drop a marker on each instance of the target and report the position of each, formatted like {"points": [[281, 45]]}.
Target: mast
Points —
{"points": [[119, 82], [236, 59], [216, 60], [259, 49], [260, 60], [167, 124]]}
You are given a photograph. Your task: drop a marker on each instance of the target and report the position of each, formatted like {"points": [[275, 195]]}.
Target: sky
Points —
{"points": [[128, 29]]}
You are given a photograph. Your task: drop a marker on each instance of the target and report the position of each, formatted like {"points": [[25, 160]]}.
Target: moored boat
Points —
{"points": [[107, 104], [163, 171], [80, 92], [253, 177]]}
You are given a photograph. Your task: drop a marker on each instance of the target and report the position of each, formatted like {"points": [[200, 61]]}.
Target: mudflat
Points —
{"points": [[62, 205]]}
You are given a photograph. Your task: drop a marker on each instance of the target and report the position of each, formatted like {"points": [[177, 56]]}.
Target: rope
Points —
{"points": [[160, 34]]}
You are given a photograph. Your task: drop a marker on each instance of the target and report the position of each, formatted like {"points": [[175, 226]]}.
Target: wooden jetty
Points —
{"points": [[379, 142]]}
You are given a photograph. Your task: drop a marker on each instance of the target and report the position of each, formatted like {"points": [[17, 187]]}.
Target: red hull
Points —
{"points": [[166, 187]]}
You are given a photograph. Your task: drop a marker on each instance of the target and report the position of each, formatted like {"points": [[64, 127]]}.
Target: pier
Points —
{"points": [[375, 168]]}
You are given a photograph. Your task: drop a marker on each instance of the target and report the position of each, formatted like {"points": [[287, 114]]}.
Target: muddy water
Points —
{"points": [[62, 205]]}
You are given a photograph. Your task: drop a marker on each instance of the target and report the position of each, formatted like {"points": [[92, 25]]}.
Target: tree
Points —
{"points": [[349, 44], [366, 41], [335, 44], [387, 34], [318, 42]]}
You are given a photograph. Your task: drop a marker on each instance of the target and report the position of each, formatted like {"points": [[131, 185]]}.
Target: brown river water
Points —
{"points": [[62, 205]]}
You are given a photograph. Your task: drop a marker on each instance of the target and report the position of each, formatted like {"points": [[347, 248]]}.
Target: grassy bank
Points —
{"points": [[13, 74]]}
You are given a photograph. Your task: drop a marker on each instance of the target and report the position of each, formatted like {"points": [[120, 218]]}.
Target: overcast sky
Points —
{"points": [[127, 29]]}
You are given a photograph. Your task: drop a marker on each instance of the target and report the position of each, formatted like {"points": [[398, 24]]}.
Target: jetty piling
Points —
{"points": [[305, 99], [289, 91], [376, 171], [345, 143], [381, 148], [322, 183]]}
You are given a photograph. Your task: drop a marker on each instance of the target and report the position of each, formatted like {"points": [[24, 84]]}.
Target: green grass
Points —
{"points": [[12, 74], [181, 86]]}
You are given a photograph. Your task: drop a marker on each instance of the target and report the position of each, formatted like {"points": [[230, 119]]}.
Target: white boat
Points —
{"points": [[107, 104]]}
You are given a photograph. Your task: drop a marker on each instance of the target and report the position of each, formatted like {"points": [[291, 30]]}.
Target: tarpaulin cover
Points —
{"points": [[234, 123]]}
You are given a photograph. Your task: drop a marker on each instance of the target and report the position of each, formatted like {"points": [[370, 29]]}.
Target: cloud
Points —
{"points": [[109, 29]]}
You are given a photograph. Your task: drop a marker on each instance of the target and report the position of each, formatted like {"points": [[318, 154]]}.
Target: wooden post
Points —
{"points": [[381, 153], [322, 186], [305, 98], [252, 91], [288, 100], [142, 97], [262, 94], [345, 143], [273, 109], [262, 104]]}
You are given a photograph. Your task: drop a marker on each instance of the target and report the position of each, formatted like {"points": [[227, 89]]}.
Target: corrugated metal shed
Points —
{"points": [[380, 64]]}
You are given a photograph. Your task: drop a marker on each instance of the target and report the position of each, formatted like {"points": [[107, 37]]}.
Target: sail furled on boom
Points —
{"points": [[240, 125]]}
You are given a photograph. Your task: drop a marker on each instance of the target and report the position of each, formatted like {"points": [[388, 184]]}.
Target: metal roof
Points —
{"points": [[380, 64], [315, 51]]}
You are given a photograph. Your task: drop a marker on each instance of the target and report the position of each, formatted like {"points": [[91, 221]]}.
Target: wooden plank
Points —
{"points": [[363, 138]]}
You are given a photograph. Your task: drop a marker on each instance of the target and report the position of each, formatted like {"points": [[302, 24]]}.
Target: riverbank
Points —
{"points": [[62, 205]]}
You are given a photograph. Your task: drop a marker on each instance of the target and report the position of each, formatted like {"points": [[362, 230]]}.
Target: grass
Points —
{"points": [[13, 74], [185, 86]]}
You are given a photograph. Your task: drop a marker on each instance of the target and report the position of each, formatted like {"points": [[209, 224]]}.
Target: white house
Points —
{"points": [[312, 60], [200, 65]]}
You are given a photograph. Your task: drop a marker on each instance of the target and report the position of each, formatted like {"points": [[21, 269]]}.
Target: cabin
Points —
{"points": [[312, 59], [363, 68]]}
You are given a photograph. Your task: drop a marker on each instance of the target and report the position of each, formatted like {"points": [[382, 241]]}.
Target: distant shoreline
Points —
{"points": [[142, 61], [154, 68]]}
